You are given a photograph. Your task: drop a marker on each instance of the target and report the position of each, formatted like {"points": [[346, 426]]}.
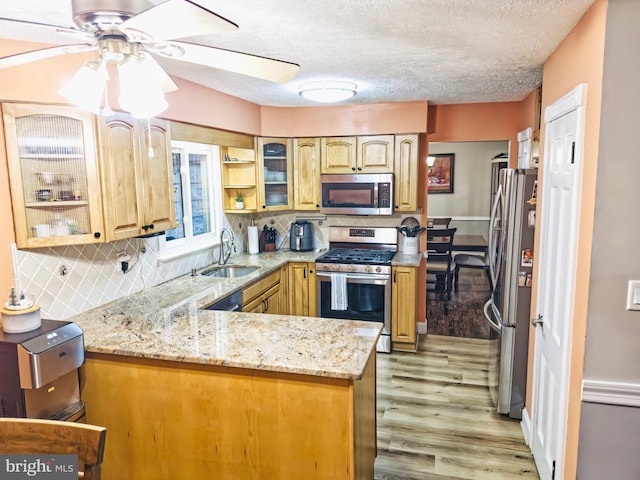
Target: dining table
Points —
{"points": [[469, 243]]}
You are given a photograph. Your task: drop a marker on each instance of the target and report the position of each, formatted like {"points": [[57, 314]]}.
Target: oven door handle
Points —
{"points": [[368, 277]]}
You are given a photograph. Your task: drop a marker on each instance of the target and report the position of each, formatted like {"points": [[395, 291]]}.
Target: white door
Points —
{"points": [[560, 199]]}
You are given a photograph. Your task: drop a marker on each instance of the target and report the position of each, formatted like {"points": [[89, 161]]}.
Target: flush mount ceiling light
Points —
{"points": [[328, 91]]}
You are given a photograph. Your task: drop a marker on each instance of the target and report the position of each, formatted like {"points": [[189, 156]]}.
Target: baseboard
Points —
{"points": [[611, 393], [525, 424]]}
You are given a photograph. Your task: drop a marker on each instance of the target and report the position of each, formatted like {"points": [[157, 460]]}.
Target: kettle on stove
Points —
{"points": [[301, 237]]}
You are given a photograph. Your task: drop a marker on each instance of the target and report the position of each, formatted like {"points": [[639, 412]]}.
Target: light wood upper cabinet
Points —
{"points": [[367, 154], [406, 173], [375, 154], [274, 174], [302, 289], [338, 155], [138, 188], [53, 173], [404, 308], [239, 176], [306, 173]]}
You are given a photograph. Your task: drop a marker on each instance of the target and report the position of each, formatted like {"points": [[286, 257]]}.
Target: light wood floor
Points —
{"points": [[436, 420]]}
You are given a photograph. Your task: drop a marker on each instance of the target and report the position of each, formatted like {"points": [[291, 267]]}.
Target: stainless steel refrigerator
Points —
{"points": [[511, 236]]}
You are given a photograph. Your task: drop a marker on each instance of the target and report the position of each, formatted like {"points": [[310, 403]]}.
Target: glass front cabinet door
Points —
{"points": [[52, 161], [274, 173]]}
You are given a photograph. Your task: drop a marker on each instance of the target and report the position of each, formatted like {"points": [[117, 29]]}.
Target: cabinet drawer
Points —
{"points": [[259, 287]]}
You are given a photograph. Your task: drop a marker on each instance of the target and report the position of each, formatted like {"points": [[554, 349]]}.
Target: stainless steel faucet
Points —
{"points": [[224, 257]]}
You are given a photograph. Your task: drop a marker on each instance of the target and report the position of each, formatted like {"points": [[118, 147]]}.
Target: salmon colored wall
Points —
{"points": [[7, 234], [579, 58], [324, 121], [472, 122]]}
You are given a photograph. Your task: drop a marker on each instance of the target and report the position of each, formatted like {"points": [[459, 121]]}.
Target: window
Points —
{"points": [[198, 199]]}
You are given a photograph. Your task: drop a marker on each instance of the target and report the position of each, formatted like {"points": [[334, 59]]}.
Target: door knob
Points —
{"points": [[537, 321]]}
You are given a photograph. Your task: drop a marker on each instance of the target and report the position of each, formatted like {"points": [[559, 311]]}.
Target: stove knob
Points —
{"points": [[378, 269], [352, 268], [367, 269], [325, 266], [335, 267]]}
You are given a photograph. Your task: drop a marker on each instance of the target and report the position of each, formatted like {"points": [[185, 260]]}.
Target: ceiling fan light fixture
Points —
{"points": [[86, 87], [140, 94], [329, 91]]}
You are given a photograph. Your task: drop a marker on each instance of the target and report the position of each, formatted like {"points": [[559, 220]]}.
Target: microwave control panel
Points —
{"points": [[384, 195]]}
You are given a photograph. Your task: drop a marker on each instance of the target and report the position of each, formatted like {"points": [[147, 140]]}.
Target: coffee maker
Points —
{"points": [[301, 237]]}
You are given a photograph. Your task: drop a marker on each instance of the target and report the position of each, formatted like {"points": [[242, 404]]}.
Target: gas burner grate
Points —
{"points": [[357, 255]]}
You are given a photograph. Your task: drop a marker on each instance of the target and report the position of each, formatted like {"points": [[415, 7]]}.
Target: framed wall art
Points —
{"points": [[440, 176]]}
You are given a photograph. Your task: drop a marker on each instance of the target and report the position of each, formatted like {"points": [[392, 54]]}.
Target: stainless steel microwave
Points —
{"points": [[359, 194]]}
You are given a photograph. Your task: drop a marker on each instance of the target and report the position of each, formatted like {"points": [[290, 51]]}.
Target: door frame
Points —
{"points": [[575, 100]]}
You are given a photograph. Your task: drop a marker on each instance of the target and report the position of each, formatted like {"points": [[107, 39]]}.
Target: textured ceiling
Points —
{"points": [[443, 51]]}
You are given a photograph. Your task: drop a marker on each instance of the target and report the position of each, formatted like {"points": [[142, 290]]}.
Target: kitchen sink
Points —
{"points": [[229, 271]]}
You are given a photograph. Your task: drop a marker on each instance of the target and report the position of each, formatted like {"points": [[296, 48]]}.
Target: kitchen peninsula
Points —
{"points": [[190, 393]]}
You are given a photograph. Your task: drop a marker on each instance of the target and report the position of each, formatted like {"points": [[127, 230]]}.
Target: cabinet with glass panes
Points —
{"points": [[52, 160], [274, 172]]}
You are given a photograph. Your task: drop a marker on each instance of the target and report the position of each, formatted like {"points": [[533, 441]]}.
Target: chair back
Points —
{"points": [[440, 222], [440, 242], [35, 436]]}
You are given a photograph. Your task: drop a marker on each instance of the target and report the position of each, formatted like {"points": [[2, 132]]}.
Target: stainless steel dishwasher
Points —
{"points": [[232, 303]]}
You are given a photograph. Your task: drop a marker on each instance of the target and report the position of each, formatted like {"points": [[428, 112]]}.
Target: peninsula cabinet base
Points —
{"points": [[169, 420]]}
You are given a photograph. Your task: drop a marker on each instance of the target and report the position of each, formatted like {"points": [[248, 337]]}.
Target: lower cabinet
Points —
{"points": [[263, 296], [302, 289], [404, 308]]}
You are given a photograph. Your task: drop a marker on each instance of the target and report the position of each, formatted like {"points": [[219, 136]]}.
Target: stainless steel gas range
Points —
{"points": [[353, 279]]}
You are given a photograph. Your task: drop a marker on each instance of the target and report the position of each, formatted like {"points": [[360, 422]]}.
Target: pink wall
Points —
{"points": [[324, 121], [579, 58], [472, 122]]}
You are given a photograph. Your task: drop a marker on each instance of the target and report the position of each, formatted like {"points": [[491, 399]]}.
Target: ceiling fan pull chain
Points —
{"points": [[150, 153]]}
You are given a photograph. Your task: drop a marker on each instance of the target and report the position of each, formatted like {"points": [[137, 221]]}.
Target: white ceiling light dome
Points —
{"points": [[328, 91]]}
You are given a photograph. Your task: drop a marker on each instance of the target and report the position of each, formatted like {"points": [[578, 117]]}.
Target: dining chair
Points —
{"points": [[463, 260], [440, 264], [438, 222], [24, 436]]}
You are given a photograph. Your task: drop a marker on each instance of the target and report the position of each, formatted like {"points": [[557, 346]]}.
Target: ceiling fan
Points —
{"points": [[130, 33]]}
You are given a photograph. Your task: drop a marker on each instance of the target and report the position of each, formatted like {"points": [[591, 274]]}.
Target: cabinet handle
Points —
{"points": [[97, 235], [396, 206], [310, 271], [151, 226], [264, 206], [305, 272], [359, 168], [353, 168], [394, 277], [145, 227], [317, 206]]}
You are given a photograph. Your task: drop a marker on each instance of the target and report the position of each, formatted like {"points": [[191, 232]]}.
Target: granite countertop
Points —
{"points": [[167, 322]]}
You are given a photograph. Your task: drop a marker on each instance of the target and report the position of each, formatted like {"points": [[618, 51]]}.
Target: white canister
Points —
{"points": [[41, 230], [20, 321], [410, 245]]}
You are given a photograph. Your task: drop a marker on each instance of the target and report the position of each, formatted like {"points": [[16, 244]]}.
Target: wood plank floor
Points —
{"points": [[436, 419]]}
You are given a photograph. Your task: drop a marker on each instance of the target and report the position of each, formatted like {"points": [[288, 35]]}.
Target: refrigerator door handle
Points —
{"points": [[493, 258], [495, 325]]}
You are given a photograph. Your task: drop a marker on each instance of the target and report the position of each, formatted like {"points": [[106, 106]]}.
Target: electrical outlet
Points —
{"points": [[123, 257]]}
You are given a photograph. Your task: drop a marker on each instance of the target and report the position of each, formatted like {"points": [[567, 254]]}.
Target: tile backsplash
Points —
{"points": [[66, 281]]}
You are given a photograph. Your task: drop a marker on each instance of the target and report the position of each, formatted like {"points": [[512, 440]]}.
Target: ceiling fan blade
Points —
{"points": [[162, 78], [244, 63], [80, 35], [175, 19], [34, 55]]}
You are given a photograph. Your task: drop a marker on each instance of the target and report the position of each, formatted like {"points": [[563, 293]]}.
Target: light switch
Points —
{"points": [[633, 295]]}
